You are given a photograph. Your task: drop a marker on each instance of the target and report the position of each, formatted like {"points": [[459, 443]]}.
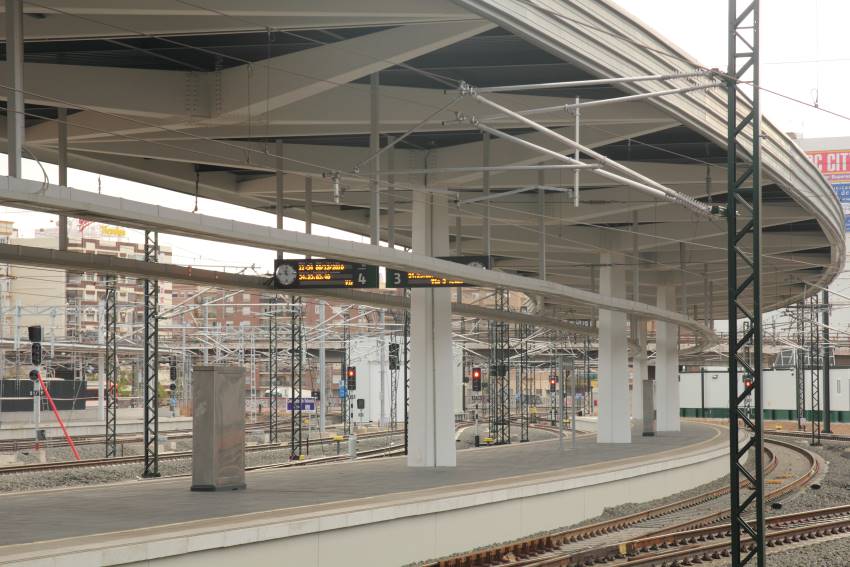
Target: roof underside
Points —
{"points": [[157, 95]]}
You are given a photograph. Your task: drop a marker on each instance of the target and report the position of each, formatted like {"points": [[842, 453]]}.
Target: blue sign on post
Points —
{"points": [[307, 404], [342, 391]]}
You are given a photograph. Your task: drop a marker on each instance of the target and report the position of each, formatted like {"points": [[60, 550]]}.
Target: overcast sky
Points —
{"points": [[804, 55]]}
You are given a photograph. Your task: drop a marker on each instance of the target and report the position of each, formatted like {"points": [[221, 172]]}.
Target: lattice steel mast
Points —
{"points": [[394, 363], [297, 366], [346, 360], [500, 392], [151, 348], [523, 380], [743, 210], [406, 369], [273, 370], [813, 313], [800, 367], [111, 365]]}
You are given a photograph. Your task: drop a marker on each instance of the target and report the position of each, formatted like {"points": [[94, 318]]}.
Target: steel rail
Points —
{"points": [[64, 465], [528, 551]]}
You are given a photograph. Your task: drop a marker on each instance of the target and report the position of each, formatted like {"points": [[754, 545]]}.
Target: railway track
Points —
{"points": [[67, 465], [808, 435], [86, 463], [13, 445], [634, 537]]}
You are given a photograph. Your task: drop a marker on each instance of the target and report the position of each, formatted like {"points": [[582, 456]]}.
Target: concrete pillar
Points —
{"points": [[431, 440], [391, 193], [485, 190], [614, 426], [374, 148], [278, 176], [15, 84], [62, 123], [667, 365]]}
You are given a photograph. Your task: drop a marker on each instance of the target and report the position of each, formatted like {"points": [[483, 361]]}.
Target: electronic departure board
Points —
{"points": [[407, 279], [310, 274]]}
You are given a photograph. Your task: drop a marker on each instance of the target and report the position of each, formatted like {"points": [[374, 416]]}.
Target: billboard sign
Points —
{"points": [[835, 167], [834, 164]]}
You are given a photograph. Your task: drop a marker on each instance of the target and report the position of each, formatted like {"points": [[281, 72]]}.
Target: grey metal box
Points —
{"points": [[218, 428]]}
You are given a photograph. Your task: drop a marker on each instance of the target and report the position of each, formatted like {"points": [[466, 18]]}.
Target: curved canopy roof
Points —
{"points": [[215, 97]]}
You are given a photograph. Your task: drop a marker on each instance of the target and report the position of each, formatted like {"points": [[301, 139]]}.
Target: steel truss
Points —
{"points": [[523, 373], [297, 365], [273, 371], [406, 369], [395, 367], [827, 364], [151, 348], [500, 390], [743, 211], [344, 402], [111, 365], [800, 366], [814, 334]]}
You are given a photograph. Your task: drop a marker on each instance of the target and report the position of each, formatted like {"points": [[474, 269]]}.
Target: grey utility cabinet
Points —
{"points": [[218, 428]]}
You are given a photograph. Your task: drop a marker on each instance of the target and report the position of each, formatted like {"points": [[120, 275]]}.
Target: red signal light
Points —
{"points": [[476, 373]]}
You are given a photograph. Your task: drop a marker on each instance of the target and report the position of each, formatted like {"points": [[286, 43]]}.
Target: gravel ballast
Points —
{"points": [[834, 491], [21, 482]]}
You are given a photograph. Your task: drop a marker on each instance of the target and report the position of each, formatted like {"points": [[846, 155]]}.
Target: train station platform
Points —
{"points": [[378, 510]]}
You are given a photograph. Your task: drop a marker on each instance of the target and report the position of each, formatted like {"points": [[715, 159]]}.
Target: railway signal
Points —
{"points": [[476, 379], [351, 378], [172, 374], [553, 384]]}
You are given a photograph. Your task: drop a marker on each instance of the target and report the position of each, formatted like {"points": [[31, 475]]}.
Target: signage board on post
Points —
{"points": [[409, 279], [307, 404], [318, 273]]}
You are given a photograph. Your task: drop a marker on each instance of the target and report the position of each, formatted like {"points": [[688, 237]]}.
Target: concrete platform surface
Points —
{"points": [[92, 511]]}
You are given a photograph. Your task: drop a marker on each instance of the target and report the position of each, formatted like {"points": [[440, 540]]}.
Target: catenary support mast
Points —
{"points": [[111, 365], [743, 209], [151, 347]]}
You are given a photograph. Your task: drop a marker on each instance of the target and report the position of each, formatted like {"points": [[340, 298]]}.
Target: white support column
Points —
{"points": [[62, 119], [485, 190], [638, 328], [614, 423], [667, 365], [391, 193], [278, 177], [431, 430], [541, 225], [541, 236], [15, 81], [308, 207], [374, 148]]}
